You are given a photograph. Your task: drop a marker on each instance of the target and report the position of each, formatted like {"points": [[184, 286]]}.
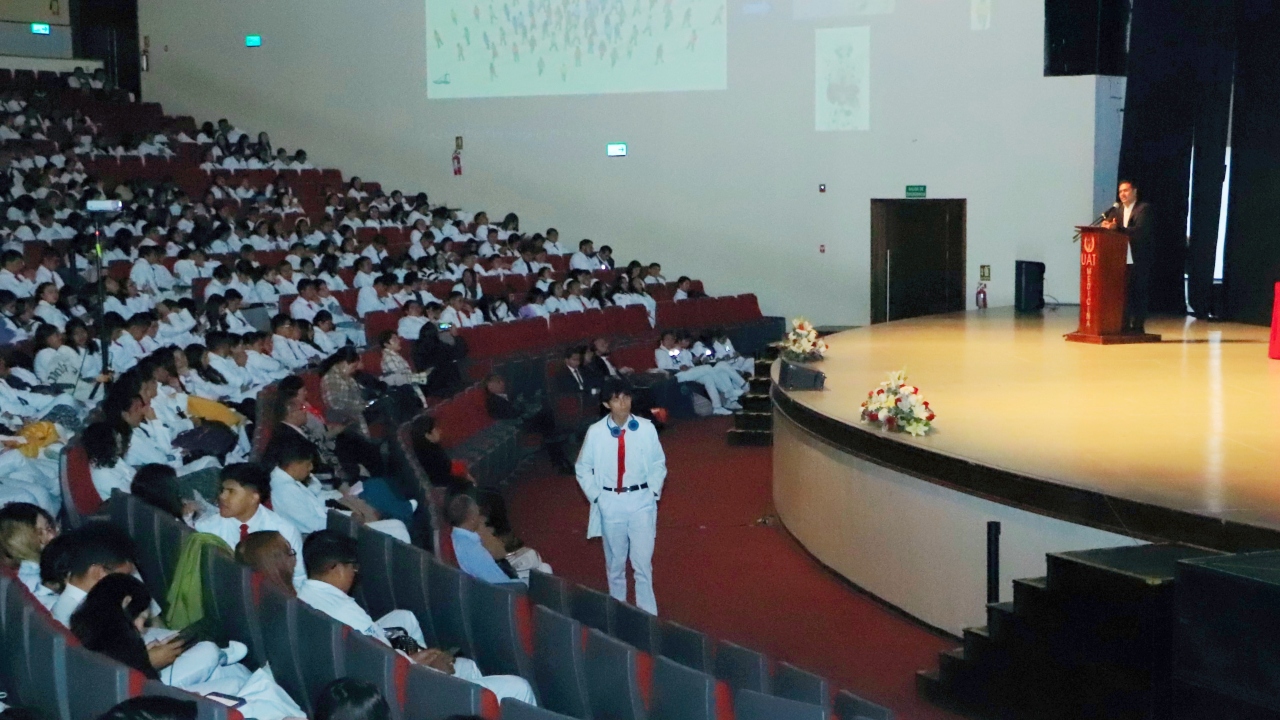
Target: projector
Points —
{"points": [[103, 206]]}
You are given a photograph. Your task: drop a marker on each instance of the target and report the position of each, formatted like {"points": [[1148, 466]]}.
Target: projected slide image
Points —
{"points": [[842, 75], [817, 9], [505, 48]]}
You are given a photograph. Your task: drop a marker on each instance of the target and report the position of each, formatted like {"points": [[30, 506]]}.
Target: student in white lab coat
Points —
{"points": [[47, 309], [552, 243], [668, 357], [332, 567], [622, 469], [302, 500]]}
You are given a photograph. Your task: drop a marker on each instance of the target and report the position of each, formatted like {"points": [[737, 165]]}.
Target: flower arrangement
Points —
{"points": [[802, 344], [898, 407]]}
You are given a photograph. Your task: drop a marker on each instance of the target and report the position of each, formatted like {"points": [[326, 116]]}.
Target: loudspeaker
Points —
{"points": [[1085, 37], [798, 377], [1028, 289]]}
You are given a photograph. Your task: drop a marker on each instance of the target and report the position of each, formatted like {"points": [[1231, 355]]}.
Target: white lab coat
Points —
{"points": [[627, 520]]}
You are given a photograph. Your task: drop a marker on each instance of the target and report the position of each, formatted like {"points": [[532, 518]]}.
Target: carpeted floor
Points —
{"points": [[718, 569]]}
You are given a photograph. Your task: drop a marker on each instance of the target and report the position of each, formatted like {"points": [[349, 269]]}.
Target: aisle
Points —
{"points": [[719, 571]]}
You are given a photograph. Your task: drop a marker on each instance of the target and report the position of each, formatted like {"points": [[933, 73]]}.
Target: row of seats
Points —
{"points": [[587, 654], [45, 668]]}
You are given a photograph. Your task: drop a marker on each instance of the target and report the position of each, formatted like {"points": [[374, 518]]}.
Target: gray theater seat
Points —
{"points": [[449, 604], [46, 686], [342, 523], [371, 661], [591, 608], [750, 705], [501, 620], [558, 663], [741, 668], [13, 612], [636, 627], [229, 600], [279, 612], [686, 646], [612, 683], [409, 568], [681, 693], [516, 710], [205, 709], [792, 683], [375, 591], [431, 695], [98, 683], [549, 590], [849, 706], [321, 651]]}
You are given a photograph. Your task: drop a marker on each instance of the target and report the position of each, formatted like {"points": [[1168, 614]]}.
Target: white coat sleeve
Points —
{"points": [[656, 463], [585, 467]]}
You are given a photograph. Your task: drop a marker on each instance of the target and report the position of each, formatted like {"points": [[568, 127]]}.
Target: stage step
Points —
{"points": [[760, 384], [763, 367], [761, 438], [753, 402], [1090, 639], [745, 420]]}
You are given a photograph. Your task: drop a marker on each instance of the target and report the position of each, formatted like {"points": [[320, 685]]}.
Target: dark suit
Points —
{"points": [[1139, 229]]}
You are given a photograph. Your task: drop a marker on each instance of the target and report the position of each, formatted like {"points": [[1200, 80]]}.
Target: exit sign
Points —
{"points": [[40, 29], [915, 192], [253, 41], [615, 149]]}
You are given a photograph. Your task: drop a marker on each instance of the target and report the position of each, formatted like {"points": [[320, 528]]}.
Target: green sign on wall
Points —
{"points": [[915, 192]]}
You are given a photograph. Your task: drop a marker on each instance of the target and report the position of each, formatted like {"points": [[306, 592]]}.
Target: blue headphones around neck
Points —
{"points": [[616, 431]]}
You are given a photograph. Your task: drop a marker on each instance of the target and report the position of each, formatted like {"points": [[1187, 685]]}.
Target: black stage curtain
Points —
{"points": [[1178, 96], [1253, 225]]}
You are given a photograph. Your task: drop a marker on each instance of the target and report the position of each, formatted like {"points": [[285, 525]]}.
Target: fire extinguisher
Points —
{"points": [[457, 162], [981, 296]]}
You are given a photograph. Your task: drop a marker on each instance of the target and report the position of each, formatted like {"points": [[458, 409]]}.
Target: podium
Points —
{"points": [[1103, 255]]}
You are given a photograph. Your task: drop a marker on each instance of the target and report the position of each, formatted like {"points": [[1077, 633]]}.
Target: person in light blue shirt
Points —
{"points": [[473, 558]]}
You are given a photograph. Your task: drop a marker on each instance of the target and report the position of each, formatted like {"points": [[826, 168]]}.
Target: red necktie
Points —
{"points": [[244, 531], [622, 456]]}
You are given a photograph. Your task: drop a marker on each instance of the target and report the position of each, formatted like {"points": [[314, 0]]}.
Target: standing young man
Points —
{"points": [[621, 469]]}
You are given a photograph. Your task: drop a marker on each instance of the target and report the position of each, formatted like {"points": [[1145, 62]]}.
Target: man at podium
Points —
{"points": [[1136, 220]]}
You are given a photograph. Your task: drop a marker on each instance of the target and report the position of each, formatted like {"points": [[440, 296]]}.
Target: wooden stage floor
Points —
{"points": [[1190, 424]]}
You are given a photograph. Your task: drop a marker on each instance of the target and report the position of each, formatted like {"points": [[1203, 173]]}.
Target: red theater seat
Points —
{"points": [[375, 323]]}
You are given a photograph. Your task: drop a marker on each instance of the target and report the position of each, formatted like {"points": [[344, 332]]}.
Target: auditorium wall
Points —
{"points": [[721, 184]]}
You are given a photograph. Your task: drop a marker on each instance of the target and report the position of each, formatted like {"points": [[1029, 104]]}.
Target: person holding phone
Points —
{"points": [[332, 568], [111, 621]]}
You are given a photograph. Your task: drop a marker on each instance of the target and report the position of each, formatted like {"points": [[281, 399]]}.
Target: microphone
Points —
{"points": [[1103, 216]]}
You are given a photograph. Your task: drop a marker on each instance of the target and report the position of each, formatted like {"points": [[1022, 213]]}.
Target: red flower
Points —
{"points": [[880, 391], [873, 417], [890, 421], [930, 417], [926, 403]]}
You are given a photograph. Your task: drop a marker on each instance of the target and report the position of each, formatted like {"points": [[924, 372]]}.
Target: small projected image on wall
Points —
{"points": [[507, 48], [842, 74], [980, 14], [818, 9]]}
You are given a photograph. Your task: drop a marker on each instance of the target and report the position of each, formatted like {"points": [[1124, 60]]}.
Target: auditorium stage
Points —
{"points": [[1069, 444]]}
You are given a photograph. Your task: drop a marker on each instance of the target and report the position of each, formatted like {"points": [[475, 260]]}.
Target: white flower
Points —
{"points": [[916, 428]]}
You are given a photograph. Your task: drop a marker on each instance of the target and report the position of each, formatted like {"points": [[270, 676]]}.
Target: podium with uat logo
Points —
{"points": [[1103, 255]]}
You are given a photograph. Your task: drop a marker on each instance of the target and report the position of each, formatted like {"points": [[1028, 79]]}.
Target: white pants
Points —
{"points": [[394, 528], [629, 525], [30, 480], [504, 686], [740, 364], [729, 381], [705, 376]]}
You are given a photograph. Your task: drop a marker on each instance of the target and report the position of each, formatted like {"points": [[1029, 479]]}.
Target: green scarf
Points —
{"points": [[186, 592]]}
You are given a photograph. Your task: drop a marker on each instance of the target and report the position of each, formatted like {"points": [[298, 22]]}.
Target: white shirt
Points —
{"points": [[125, 352], [285, 351], [461, 318], [368, 301], [57, 367], [303, 309], [117, 477], [50, 313], [341, 607], [19, 286], [597, 466], [410, 327], [302, 505], [68, 602], [229, 530]]}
